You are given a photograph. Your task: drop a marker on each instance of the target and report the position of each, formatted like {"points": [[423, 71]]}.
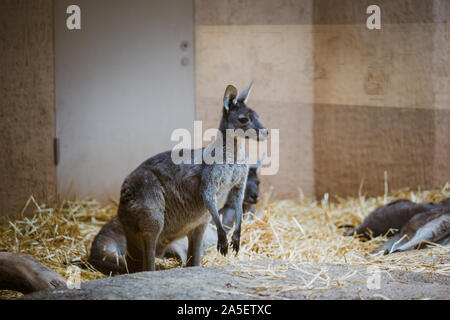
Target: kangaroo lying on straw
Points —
{"points": [[23, 273], [413, 224]]}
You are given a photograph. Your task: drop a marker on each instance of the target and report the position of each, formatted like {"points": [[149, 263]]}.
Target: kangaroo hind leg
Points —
{"points": [[195, 238]]}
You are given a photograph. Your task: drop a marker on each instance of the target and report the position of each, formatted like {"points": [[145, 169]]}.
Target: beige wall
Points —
{"points": [[271, 43], [26, 103], [350, 102], [381, 97]]}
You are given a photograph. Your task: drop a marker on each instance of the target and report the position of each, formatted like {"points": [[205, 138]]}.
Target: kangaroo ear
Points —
{"points": [[244, 95], [229, 96], [258, 164]]}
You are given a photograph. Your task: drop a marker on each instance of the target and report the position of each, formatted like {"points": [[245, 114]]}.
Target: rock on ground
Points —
{"points": [[262, 280]]}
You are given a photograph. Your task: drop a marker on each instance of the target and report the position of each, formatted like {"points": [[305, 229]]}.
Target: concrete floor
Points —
{"points": [[254, 280]]}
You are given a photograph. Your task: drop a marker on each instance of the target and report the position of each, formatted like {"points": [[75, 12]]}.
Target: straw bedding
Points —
{"points": [[292, 231]]}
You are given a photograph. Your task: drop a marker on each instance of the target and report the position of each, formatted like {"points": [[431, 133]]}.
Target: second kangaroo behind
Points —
{"points": [[162, 201]]}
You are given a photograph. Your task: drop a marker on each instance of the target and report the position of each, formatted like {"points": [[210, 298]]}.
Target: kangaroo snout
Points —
{"points": [[254, 198]]}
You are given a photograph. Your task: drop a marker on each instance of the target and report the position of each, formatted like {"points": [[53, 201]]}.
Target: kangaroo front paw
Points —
{"points": [[235, 242], [222, 246]]}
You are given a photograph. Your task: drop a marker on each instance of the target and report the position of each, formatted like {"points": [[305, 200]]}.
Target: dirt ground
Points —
{"points": [[262, 279]]}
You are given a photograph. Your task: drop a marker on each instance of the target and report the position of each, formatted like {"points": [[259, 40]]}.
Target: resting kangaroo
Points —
{"points": [[22, 272], [162, 201], [391, 216], [415, 223], [429, 226], [109, 245]]}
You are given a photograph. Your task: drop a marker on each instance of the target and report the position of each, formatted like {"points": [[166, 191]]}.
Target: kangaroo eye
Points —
{"points": [[243, 120]]}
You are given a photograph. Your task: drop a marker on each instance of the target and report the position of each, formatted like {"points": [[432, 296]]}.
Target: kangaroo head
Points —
{"points": [[239, 117], [252, 187]]}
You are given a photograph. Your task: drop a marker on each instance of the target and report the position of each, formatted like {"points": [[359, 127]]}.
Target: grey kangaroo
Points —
{"points": [[425, 227], [109, 245], [162, 201], [391, 216], [415, 223]]}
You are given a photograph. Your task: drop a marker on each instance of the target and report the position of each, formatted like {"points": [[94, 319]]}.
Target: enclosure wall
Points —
{"points": [[26, 103], [350, 103], [381, 97], [269, 42]]}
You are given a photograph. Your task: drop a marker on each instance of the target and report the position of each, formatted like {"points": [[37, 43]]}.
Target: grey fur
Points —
{"points": [[391, 216], [429, 226], [243, 97], [162, 202], [412, 224], [108, 249], [250, 199]]}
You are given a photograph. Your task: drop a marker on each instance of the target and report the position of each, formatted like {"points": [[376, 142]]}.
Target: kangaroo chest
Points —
{"points": [[232, 176]]}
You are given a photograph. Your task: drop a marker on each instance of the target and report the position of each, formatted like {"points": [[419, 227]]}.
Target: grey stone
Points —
{"points": [[253, 280]]}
